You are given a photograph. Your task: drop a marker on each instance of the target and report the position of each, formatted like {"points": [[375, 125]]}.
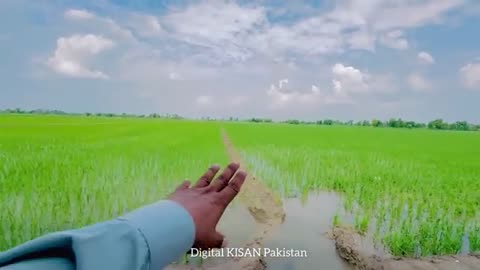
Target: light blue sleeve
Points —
{"points": [[148, 238]]}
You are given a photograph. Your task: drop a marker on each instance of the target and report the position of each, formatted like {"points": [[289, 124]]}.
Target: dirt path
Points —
{"points": [[263, 207]]}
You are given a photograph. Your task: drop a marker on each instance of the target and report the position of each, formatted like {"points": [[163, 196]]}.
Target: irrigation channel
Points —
{"points": [[259, 220]]}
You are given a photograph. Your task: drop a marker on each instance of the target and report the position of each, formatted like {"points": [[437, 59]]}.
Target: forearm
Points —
{"points": [[148, 238]]}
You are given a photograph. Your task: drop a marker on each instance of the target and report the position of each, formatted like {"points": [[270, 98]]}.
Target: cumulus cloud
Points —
{"points": [[425, 58], [78, 14], [74, 52], [418, 82], [470, 75], [217, 44], [347, 79], [348, 84], [281, 95]]}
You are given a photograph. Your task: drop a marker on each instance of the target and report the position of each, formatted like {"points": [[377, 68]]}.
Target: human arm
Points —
{"points": [[148, 238]]}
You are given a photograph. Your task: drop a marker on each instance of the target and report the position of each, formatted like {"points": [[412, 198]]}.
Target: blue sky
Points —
{"points": [[342, 59]]}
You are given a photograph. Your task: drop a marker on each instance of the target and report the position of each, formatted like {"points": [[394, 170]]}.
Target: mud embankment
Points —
{"points": [[263, 207], [266, 210], [359, 252]]}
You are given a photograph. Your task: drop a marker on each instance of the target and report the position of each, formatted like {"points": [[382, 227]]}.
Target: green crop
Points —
{"points": [[416, 191], [65, 172]]}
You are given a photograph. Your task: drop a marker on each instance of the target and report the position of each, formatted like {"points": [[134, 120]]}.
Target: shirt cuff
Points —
{"points": [[168, 230]]}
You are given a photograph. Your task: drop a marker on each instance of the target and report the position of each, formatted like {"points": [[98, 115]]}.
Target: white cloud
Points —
{"points": [[105, 24], [219, 26], [204, 100], [78, 14], [347, 79], [348, 85], [418, 82], [362, 40], [425, 58], [227, 31], [281, 96], [470, 75], [395, 40], [391, 14], [282, 83], [74, 52]]}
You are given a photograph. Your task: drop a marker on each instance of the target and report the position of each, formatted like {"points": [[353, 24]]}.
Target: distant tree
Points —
{"points": [[319, 122], [328, 122], [410, 124], [377, 123], [420, 125], [460, 125], [437, 124], [365, 123], [396, 123], [293, 121]]}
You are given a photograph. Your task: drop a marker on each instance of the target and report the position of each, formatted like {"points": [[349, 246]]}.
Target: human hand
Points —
{"points": [[206, 201]]}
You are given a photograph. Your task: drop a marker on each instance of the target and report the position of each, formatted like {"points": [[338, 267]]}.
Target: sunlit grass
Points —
{"points": [[59, 173]]}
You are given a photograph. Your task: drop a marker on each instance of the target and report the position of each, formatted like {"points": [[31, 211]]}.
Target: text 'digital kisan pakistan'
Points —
{"points": [[248, 252]]}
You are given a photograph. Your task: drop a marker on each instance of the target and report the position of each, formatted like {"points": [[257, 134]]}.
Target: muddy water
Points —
{"points": [[305, 227]]}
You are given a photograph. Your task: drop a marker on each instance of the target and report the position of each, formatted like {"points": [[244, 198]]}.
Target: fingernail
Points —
{"points": [[244, 173]]}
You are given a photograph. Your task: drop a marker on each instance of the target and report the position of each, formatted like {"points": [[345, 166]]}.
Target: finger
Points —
{"points": [[184, 185], [224, 178], [216, 240], [207, 176], [233, 188]]}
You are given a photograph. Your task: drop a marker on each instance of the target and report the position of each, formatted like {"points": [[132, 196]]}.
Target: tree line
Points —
{"points": [[59, 112], [438, 124]]}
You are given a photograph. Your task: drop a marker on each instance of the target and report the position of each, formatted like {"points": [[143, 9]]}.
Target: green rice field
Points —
{"points": [[415, 191]]}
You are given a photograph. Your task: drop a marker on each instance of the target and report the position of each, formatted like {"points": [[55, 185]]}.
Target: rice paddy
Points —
{"points": [[65, 172], [417, 192]]}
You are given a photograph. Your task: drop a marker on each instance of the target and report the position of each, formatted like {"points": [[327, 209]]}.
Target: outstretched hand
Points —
{"points": [[206, 201]]}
